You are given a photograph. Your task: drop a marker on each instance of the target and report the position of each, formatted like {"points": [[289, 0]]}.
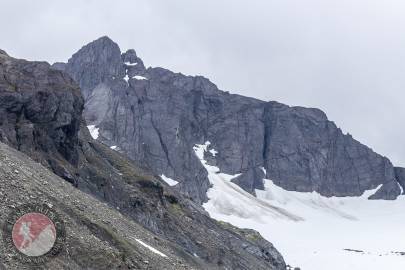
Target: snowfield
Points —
{"points": [[311, 231]]}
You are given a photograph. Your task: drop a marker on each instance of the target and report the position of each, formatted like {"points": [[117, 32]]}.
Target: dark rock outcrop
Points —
{"points": [[156, 120], [400, 174], [98, 236], [41, 115], [250, 180]]}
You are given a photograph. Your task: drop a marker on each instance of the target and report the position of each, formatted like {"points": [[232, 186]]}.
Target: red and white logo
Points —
{"points": [[34, 234]]}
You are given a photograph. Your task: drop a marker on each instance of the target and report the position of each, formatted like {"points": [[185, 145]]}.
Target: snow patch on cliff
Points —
{"points": [[213, 152], [94, 131], [126, 78], [154, 250], [168, 180], [130, 64], [138, 77]]}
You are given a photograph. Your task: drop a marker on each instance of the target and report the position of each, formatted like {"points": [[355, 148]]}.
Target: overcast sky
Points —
{"points": [[346, 57]]}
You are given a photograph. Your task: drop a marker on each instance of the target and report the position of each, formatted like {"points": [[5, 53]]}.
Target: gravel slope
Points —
{"points": [[98, 236]]}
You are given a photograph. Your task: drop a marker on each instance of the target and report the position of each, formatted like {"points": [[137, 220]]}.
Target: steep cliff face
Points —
{"points": [[156, 116], [41, 115]]}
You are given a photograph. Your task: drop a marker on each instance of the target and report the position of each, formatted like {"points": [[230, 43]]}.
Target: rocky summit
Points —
{"points": [[118, 213], [156, 116]]}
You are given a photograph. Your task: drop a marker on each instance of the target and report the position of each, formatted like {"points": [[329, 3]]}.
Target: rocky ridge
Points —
{"points": [[155, 117], [41, 116]]}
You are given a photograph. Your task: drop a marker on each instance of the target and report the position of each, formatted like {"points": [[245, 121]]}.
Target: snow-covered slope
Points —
{"points": [[311, 231]]}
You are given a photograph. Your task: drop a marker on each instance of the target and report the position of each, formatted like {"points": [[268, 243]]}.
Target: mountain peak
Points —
{"points": [[130, 53], [104, 40], [133, 62], [101, 47], [98, 60], [41, 115]]}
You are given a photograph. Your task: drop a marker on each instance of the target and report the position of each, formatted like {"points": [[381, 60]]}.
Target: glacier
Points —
{"points": [[312, 232]]}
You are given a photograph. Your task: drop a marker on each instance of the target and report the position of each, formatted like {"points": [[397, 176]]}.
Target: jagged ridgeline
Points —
{"points": [[155, 117], [41, 117]]}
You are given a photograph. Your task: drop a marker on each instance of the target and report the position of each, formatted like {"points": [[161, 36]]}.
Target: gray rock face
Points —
{"points": [[138, 120], [250, 180], [96, 63], [157, 120], [311, 153], [41, 115], [400, 174], [133, 64]]}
